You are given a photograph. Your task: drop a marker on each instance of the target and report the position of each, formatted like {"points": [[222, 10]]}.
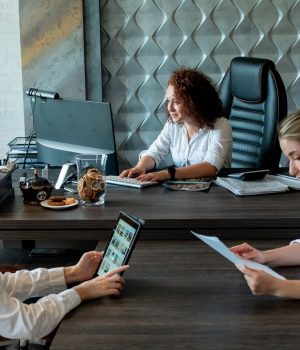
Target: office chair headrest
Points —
{"points": [[249, 78]]}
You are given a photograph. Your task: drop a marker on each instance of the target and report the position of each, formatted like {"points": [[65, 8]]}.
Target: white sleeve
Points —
{"points": [[220, 145], [160, 148], [25, 284], [30, 321], [295, 241], [34, 321]]}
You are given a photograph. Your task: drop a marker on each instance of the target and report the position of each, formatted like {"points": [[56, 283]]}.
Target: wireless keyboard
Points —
{"points": [[128, 181]]}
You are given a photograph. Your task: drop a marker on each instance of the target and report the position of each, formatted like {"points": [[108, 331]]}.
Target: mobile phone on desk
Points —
{"points": [[250, 175], [121, 243]]}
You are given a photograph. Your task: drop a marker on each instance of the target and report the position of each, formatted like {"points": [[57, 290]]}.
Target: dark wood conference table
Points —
{"points": [[180, 294], [168, 215]]}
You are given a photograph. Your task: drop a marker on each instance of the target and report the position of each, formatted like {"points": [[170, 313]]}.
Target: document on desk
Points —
{"points": [[252, 188], [290, 181], [221, 248]]}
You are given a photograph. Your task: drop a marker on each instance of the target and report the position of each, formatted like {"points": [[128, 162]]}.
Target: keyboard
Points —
{"points": [[128, 181]]}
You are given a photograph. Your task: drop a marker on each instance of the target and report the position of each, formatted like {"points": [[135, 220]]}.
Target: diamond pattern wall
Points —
{"points": [[143, 41]]}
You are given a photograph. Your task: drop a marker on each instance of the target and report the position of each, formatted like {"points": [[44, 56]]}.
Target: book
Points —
{"points": [[220, 247], [269, 184]]}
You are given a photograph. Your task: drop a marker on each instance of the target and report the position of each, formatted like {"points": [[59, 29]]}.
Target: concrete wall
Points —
{"points": [[52, 47], [11, 96]]}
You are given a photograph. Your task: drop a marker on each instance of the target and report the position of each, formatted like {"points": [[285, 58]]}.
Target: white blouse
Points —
{"points": [[208, 145], [34, 321], [295, 241]]}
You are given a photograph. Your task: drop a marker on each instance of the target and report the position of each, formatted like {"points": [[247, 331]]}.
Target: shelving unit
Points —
{"points": [[23, 152]]}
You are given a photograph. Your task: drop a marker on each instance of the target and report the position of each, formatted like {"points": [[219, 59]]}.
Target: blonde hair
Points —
{"points": [[289, 127]]}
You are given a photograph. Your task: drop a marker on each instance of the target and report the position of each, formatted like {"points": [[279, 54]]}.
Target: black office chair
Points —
{"points": [[254, 99]]}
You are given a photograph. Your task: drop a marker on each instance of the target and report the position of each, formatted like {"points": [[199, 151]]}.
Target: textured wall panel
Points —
{"points": [[52, 48], [143, 41]]}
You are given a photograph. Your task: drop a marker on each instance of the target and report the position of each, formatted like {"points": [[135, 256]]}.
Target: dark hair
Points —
{"points": [[200, 98]]}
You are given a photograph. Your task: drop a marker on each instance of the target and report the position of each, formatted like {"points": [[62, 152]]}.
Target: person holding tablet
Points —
{"points": [[196, 134], [260, 282], [34, 321]]}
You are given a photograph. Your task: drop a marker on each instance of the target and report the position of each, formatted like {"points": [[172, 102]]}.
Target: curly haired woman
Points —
{"points": [[196, 134]]}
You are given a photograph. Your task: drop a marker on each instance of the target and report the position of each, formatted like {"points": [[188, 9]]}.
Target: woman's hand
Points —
{"points": [[145, 164], [156, 176], [109, 284], [85, 268], [245, 250], [133, 172], [260, 282]]}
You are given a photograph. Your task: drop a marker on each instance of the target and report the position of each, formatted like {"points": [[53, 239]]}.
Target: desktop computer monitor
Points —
{"points": [[65, 128]]}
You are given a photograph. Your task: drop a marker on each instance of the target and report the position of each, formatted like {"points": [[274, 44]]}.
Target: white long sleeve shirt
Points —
{"points": [[34, 321], [295, 241], [207, 145]]}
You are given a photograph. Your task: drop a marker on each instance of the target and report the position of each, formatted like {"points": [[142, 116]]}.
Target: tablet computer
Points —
{"points": [[121, 243]]}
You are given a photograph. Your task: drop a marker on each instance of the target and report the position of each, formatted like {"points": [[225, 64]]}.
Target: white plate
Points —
{"points": [[58, 207]]}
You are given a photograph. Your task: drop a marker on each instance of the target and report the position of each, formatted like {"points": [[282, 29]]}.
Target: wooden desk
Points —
{"points": [[183, 295], [168, 214]]}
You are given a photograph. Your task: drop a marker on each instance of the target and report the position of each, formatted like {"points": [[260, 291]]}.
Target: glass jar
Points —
{"points": [[91, 184]]}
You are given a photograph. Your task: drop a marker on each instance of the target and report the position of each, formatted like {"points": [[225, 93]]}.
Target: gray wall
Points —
{"points": [[144, 40]]}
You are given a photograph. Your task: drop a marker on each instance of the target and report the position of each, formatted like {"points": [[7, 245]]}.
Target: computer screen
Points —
{"points": [[65, 128]]}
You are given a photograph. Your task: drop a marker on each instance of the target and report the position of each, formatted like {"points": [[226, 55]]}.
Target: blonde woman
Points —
{"points": [[260, 282]]}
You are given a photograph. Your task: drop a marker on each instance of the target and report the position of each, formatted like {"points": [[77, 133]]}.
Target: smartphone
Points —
{"points": [[250, 175], [121, 243]]}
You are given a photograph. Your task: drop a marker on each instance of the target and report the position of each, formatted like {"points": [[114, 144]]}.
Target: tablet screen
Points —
{"points": [[122, 241]]}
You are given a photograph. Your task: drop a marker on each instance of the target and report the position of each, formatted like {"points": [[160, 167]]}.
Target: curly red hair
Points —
{"points": [[200, 98]]}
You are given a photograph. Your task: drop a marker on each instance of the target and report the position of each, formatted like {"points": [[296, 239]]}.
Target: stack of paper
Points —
{"points": [[290, 181], [251, 188]]}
